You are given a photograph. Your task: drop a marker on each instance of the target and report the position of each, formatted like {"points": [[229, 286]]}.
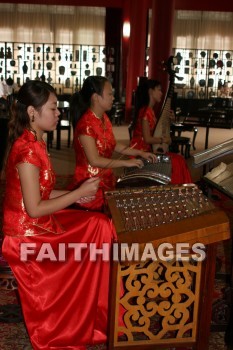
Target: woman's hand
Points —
{"points": [[166, 140], [149, 156], [88, 190], [84, 200], [134, 162]]}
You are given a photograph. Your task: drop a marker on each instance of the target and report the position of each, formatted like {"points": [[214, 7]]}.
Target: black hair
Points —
{"points": [[141, 97], [32, 93], [81, 101]]}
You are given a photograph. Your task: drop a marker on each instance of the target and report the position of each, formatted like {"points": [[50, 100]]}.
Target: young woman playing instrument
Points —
{"points": [[63, 292], [147, 95], [94, 141]]}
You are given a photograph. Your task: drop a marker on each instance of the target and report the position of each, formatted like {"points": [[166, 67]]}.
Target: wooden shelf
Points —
{"points": [[64, 66]]}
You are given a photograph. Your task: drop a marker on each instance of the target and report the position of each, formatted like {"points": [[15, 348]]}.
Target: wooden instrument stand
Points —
{"points": [[156, 304]]}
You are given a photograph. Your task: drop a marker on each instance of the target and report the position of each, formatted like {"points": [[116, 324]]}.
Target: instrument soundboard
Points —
{"points": [[156, 212], [150, 174]]}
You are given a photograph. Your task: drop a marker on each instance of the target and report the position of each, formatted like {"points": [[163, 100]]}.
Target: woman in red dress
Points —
{"points": [[147, 95], [63, 288], [94, 141]]}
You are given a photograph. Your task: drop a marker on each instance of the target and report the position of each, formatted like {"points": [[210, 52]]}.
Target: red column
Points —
{"points": [[125, 45], [161, 38], [136, 53]]}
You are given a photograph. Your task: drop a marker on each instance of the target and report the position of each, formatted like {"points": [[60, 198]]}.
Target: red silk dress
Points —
{"points": [[64, 303], [101, 131], [180, 172]]}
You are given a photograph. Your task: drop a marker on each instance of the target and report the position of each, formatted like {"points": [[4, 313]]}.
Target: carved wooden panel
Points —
{"points": [[160, 302]]}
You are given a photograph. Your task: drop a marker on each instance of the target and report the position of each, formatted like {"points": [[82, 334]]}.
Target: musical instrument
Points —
{"points": [[139, 210], [162, 127], [212, 153], [220, 177], [162, 298], [151, 173]]}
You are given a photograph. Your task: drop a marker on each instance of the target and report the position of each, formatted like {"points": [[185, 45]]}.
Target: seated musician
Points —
{"points": [[64, 295], [94, 141], [147, 95]]}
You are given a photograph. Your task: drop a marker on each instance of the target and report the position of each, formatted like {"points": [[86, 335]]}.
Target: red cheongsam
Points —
{"points": [[180, 172], [64, 302], [101, 131]]}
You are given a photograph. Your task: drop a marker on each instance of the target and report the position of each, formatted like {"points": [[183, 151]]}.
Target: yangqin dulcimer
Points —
{"points": [[142, 211], [162, 302]]}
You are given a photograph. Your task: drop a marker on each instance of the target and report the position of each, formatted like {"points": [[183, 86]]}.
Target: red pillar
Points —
{"points": [[136, 53], [125, 45], [161, 38]]}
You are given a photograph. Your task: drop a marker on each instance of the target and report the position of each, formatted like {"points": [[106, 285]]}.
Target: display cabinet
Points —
{"points": [[63, 66], [204, 73]]}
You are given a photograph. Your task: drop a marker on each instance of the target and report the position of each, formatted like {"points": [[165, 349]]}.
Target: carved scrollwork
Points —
{"points": [[160, 300], [8, 282]]}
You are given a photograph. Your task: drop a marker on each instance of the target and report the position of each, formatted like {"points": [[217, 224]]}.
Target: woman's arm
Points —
{"points": [[57, 193], [35, 206], [131, 151], [150, 139], [96, 160]]}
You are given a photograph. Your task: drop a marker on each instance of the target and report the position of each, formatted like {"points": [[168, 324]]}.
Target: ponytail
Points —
{"points": [[77, 107], [32, 93], [142, 98], [81, 101]]}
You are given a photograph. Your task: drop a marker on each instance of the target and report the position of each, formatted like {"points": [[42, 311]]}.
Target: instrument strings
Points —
{"points": [[108, 165]]}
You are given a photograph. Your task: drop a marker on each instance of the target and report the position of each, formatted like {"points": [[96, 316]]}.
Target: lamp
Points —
{"points": [[126, 29]]}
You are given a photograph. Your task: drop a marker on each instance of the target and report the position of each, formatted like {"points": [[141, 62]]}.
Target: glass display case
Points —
{"points": [[204, 73], [63, 66]]}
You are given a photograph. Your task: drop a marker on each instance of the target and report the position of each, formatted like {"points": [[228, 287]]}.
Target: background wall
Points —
{"points": [[204, 5]]}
